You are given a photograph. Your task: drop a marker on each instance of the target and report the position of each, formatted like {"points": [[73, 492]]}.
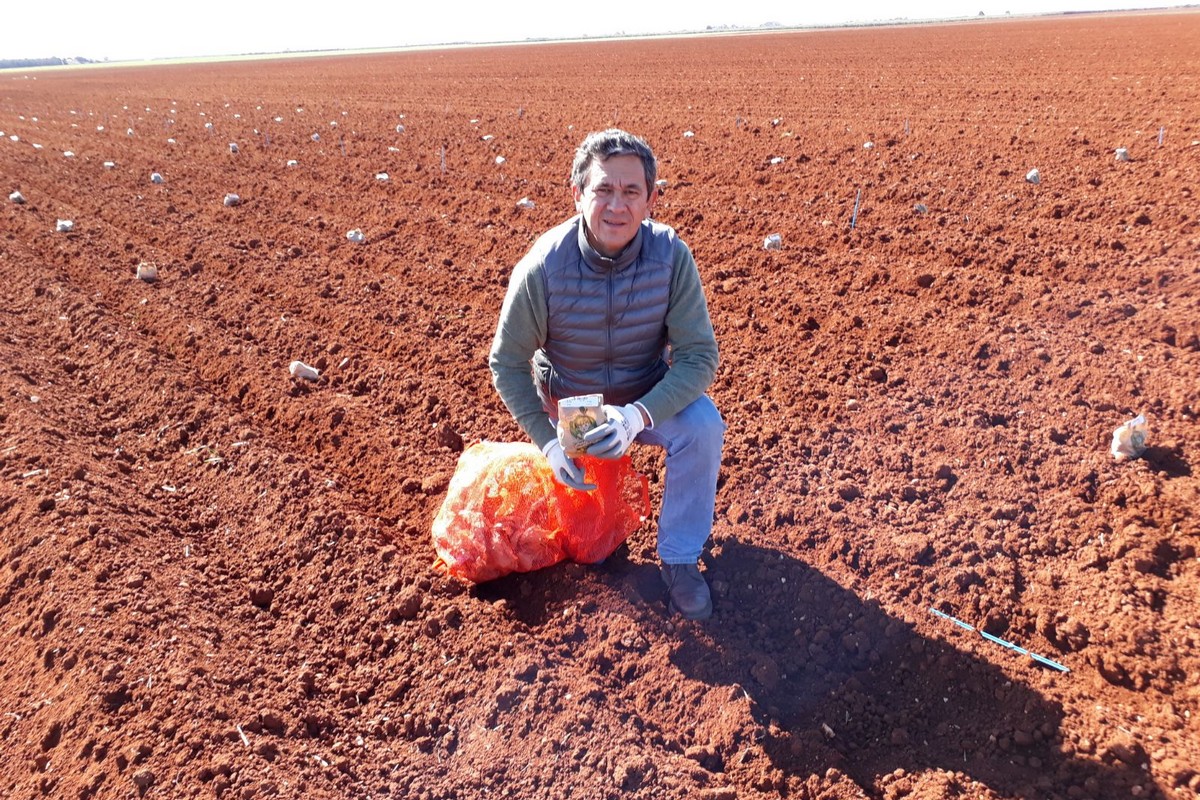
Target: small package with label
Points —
{"points": [[577, 416]]}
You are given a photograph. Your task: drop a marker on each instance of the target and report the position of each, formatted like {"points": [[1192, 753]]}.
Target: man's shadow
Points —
{"points": [[837, 682]]}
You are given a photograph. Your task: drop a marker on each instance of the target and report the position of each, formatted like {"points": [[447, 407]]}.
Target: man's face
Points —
{"points": [[614, 202]]}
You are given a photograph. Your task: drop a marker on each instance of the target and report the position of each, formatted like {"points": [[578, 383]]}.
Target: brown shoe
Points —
{"points": [[688, 590]]}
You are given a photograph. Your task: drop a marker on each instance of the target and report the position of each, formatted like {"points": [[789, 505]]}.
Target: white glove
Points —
{"points": [[565, 470], [612, 439]]}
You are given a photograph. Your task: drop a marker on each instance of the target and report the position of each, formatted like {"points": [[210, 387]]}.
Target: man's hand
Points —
{"points": [[612, 439], [565, 470]]}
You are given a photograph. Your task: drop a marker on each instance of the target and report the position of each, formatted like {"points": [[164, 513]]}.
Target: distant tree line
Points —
{"points": [[21, 63]]}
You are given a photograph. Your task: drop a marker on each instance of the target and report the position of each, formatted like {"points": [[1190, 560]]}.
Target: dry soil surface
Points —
{"points": [[216, 581]]}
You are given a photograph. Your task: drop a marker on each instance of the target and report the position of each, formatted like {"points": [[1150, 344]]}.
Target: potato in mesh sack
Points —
{"points": [[505, 513]]}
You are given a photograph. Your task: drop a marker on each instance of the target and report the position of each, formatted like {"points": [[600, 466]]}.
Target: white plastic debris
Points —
{"points": [[233, 148], [316, 137], [17, 198], [208, 125], [109, 164], [1122, 154], [232, 200], [68, 154], [147, 271], [299, 369], [14, 138], [688, 134], [487, 137], [356, 236], [868, 145], [155, 177], [500, 159], [100, 128], [399, 129], [64, 226], [660, 184], [382, 176], [525, 202], [292, 162], [1129, 439], [279, 119], [170, 141], [777, 160], [129, 131], [1033, 176], [37, 146], [773, 242]]}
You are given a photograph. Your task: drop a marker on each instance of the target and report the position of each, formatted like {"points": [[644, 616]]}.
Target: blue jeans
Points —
{"points": [[692, 439]]}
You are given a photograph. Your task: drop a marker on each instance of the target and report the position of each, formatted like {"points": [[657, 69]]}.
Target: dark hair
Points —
{"points": [[602, 145]]}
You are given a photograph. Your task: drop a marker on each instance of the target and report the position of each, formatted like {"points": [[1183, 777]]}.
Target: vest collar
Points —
{"points": [[600, 263]]}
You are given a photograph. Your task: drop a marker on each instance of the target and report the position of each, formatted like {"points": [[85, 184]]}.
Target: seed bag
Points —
{"points": [[505, 513], [1129, 439]]}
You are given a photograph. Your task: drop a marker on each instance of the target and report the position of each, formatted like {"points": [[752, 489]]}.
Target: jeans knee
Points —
{"points": [[708, 428]]}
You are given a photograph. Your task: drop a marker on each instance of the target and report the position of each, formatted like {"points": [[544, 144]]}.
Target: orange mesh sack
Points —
{"points": [[505, 513]]}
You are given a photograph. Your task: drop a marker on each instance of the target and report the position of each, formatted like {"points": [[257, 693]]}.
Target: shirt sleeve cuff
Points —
{"points": [[642, 408]]}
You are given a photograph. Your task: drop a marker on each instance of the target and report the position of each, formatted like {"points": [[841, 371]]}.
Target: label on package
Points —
{"points": [[577, 416]]}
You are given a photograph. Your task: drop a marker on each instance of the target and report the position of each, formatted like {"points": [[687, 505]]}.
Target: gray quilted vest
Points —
{"points": [[606, 322]]}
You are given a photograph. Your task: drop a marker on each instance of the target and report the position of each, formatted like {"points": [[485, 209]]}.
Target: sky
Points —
{"points": [[122, 30]]}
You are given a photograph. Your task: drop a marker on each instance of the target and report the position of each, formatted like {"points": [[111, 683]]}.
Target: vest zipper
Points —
{"points": [[608, 333]]}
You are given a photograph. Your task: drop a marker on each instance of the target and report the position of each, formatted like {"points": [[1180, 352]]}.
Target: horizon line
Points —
{"points": [[764, 28]]}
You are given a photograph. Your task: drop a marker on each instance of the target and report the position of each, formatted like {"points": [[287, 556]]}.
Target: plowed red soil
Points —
{"points": [[216, 581]]}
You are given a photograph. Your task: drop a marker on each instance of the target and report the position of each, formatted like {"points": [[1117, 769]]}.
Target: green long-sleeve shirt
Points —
{"points": [[522, 331]]}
